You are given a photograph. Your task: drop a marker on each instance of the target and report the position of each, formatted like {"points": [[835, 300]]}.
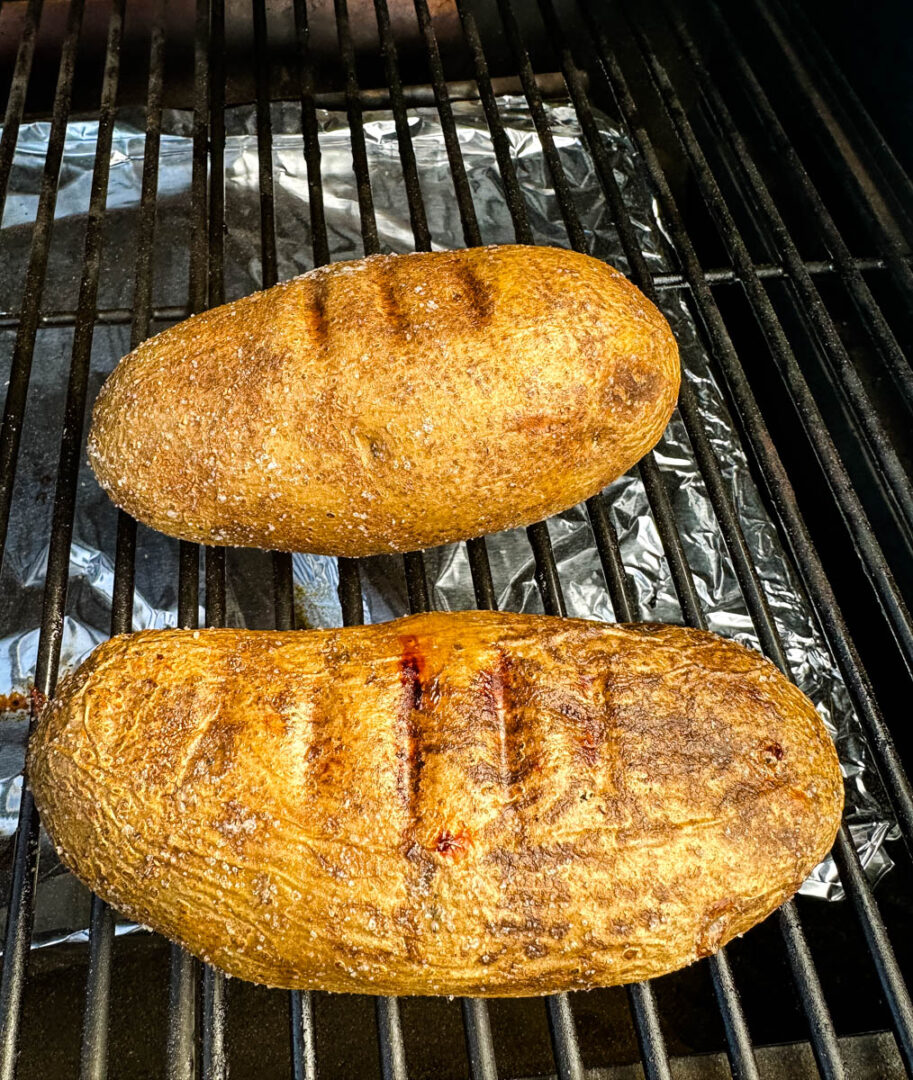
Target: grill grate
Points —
{"points": [[197, 993]]}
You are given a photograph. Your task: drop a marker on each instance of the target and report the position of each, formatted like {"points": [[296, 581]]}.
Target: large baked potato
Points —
{"points": [[473, 803], [389, 404]]}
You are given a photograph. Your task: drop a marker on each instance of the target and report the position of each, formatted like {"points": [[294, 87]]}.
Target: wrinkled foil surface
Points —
{"points": [[63, 904]]}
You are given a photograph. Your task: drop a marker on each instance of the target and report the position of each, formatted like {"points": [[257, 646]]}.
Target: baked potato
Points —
{"points": [[475, 803], [389, 404]]}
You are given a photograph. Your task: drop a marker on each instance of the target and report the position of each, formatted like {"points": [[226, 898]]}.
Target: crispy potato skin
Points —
{"points": [[473, 803], [389, 404]]}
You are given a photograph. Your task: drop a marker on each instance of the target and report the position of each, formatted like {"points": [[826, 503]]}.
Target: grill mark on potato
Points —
{"points": [[412, 679], [319, 325], [511, 717], [394, 319], [499, 696], [587, 729], [477, 293], [411, 749], [494, 707]]}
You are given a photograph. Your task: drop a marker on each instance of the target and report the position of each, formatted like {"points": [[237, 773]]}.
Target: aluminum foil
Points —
{"points": [[63, 906]]}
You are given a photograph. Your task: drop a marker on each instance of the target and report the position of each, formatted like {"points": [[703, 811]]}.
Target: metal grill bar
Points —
{"points": [[214, 1003], [11, 430], [868, 135], [183, 997], [93, 1057], [94, 1049], [512, 192], [15, 102], [302, 1031], [834, 350], [725, 275], [181, 1045], [889, 974], [390, 1039], [451, 140], [216, 217], [183, 981], [480, 569], [417, 216], [22, 895], [480, 1046], [802, 966], [891, 352], [301, 1019], [719, 275], [855, 178], [852, 511], [650, 1039], [356, 131], [309, 128], [264, 148], [215, 1064]]}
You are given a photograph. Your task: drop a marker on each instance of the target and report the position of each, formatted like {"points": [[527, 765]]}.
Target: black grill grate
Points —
{"points": [[877, 188]]}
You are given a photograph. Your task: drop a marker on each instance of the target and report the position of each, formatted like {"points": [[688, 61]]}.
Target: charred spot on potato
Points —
{"points": [[453, 844], [773, 753], [411, 679], [409, 737]]}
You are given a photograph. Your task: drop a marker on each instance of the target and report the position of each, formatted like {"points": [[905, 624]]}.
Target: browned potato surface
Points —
{"points": [[389, 404], [474, 803]]}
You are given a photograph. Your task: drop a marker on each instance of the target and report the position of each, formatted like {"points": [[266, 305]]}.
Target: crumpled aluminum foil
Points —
{"points": [[62, 908]]}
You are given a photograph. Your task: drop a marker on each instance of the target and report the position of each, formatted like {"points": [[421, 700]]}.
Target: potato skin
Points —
{"points": [[389, 404], [473, 803]]}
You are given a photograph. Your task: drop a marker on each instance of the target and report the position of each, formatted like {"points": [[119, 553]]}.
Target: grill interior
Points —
{"points": [[788, 221]]}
